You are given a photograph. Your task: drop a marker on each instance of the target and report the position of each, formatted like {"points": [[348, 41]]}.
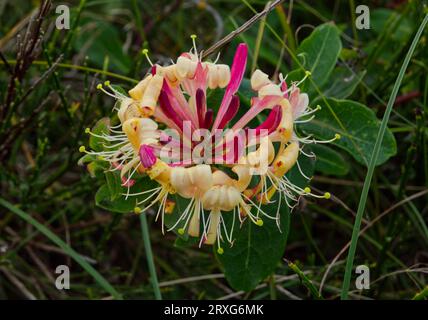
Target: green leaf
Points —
{"points": [[307, 165], [101, 127], [97, 168], [245, 93], [101, 40], [170, 219], [342, 83], [186, 242], [329, 161], [359, 131], [319, 53], [114, 184], [87, 158], [120, 205], [381, 19], [256, 251], [119, 89]]}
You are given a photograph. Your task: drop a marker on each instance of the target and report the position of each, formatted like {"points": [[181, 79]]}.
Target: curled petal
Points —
{"points": [[272, 121], [258, 105], [300, 105], [221, 197], [236, 74], [191, 182], [259, 79], [167, 109], [286, 160], [201, 106], [238, 68], [208, 121], [147, 156], [231, 112]]}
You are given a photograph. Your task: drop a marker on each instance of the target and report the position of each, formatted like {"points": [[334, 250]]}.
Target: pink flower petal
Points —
{"points": [[266, 102], [300, 106], [238, 68], [236, 75], [231, 112], [272, 121], [154, 69], [167, 109], [284, 89], [208, 121], [178, 103], [201, 106], [147, 156]]}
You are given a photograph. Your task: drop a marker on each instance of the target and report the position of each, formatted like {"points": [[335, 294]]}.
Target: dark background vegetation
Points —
{"points": [[48, 98]]}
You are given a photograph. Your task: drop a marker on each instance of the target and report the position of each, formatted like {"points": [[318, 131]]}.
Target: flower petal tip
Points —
{"points": [[147, 156]]}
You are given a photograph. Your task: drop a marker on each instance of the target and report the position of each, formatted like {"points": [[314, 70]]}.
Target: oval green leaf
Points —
{"points": [[357, 125]]}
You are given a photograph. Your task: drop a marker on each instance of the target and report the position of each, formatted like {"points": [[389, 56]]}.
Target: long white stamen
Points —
{"points": [[144, 192], [301, 171], [217, 58], [304, 121], [259, 209], [183, 215], [146, 53], [312, 155], [307, 74]]}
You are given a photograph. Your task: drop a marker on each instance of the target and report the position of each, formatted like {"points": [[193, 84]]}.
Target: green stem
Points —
{"points": [[149, 256], [272, 287], [372, 164], [259, 41], [354, 18], [305, 281], [421, 295], [138, 21]]}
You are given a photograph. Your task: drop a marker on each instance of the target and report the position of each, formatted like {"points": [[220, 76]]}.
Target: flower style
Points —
{"points": [[236, 169]]}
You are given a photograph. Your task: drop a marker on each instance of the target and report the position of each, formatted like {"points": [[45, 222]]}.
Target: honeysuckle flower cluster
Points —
{"points": [[208, 154]]}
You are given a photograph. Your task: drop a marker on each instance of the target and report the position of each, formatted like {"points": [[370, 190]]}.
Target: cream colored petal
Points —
{"points": [[259, 79]]}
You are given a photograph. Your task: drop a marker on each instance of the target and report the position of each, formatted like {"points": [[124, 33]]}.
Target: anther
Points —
{"points": [[193, 37], [87, 130], [327, 195], [307, 190], [220, 250], [137, 210], [146, 53], [82, 149], [180, 231], [259, 222], [337, 136]]}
